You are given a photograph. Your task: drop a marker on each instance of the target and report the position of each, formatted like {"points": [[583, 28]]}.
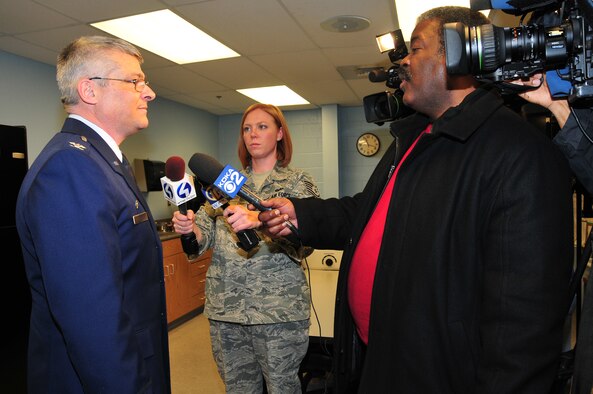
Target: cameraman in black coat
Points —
{"points": [[458, 252]]}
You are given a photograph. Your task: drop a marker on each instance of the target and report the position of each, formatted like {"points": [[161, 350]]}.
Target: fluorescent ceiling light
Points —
{"points": [[276, 95], [167, 35], [408, 11]]}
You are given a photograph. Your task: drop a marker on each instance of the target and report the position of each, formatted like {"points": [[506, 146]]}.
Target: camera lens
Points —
{"points": [[510, 44], [484, 49], [385, 107]]}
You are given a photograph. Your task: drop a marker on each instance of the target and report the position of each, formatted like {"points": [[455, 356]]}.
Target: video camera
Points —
{"points": [[387, 106], [558, 42]]}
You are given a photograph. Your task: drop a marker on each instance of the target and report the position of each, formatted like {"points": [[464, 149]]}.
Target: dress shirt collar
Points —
{"points": [[106, 137]]}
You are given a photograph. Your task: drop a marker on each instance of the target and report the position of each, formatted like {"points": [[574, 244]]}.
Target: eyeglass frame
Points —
{"points": [[133, 81]]}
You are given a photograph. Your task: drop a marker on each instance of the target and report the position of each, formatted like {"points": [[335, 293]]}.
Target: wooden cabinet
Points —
{"points": [[184, 280], [197, 273]]}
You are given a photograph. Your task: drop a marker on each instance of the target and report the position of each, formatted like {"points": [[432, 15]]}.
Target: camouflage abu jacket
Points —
{"points": [[267, 284]]}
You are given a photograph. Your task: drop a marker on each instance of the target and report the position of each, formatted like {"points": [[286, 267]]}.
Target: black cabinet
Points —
{"points": [[16, 296]]}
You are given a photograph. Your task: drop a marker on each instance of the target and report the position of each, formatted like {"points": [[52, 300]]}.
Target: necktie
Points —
{"points": [[127, 167]]}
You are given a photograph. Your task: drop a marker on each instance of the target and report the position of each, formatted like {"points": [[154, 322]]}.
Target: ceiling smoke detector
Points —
{"points": [[345, 23]]}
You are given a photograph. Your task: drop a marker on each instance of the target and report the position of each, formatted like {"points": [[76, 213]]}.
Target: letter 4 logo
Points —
{"points": [[168, 190], [180, 191], [184, 190], [230, 181]]}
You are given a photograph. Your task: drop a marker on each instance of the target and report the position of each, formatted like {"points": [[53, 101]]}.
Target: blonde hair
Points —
{"points": [[85, 56]]}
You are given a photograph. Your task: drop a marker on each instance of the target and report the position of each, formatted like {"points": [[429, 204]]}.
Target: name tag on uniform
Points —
{"points": [[141, 217]]}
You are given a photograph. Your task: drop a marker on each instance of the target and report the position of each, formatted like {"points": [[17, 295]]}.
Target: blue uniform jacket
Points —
{"points": [[94, 263]]}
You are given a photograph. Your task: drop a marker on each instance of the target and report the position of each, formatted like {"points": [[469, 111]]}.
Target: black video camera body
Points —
{"points": [[558, 42], [387, 106]]}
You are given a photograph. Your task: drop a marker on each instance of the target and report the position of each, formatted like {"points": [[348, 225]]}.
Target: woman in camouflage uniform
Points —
{"points": [[257, 301]]}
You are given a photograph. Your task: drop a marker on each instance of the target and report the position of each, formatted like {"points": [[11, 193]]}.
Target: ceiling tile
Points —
{"points": [[280, 42]]}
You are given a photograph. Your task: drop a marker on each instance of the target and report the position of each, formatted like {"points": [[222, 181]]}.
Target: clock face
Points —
{"points": [[368, 144]]}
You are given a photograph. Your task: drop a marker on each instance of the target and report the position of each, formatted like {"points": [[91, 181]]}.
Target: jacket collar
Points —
{"points": [[277, 171], [278, 174], [75, 126], [458, 122]]}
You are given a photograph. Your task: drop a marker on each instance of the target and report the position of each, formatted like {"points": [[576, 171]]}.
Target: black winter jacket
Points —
{"points": [[471, 287]]}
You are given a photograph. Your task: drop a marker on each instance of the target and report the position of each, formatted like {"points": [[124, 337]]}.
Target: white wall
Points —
{"points": [[355, 169], [307, 143], [175, 130], [29, 96]]}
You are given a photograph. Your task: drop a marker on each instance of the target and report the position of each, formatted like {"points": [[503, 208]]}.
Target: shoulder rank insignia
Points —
{"points": [[77, 145]]}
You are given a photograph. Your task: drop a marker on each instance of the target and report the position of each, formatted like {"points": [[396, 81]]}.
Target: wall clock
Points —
{"points": [[368, 144]]}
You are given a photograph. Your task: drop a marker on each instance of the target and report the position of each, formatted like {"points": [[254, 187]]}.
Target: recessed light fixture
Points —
{"points": [[276, 95], [345, 23], [168, 35]]}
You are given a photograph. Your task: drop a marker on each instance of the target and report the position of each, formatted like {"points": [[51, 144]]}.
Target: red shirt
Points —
{"points": [[364, 261]]}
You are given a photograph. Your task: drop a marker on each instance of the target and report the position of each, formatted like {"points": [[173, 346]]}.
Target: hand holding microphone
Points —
{"points": [[184, 223], [230, 182], [178, 189], [248, 239], [280, 211]]}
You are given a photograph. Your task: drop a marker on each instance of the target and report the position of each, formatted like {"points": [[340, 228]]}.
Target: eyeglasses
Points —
{"points": [[139, 84]]}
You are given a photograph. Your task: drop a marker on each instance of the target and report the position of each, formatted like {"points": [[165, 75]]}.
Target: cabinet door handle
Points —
{"points": [[172, 269], [166, 269]]}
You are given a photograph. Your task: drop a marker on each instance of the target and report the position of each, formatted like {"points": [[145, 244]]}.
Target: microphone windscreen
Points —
{"points": [[175, 168], [205, 168]]}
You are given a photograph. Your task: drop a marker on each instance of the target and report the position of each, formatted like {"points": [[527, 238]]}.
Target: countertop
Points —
{"points": [[165, 229], [167, 235]]}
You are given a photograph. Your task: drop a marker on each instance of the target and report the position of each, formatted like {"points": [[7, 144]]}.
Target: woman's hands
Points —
{"points": [[184, 224], [241, 218]]}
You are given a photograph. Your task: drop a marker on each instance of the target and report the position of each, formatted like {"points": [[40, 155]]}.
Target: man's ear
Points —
{"points": [[86, 91]]}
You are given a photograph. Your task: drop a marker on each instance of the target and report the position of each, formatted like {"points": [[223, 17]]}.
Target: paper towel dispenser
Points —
{"points": [[148, 174]]}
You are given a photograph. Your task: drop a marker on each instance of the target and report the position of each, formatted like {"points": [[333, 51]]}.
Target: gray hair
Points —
{"points": [[450, 14], [85, 56]]}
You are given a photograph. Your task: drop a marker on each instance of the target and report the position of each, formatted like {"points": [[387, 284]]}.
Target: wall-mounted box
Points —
{"points": [[148, 174]]}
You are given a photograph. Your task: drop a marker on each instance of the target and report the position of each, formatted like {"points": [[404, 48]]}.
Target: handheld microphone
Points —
{"points": [[248, 239], [178, 188], [228, 180]]}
